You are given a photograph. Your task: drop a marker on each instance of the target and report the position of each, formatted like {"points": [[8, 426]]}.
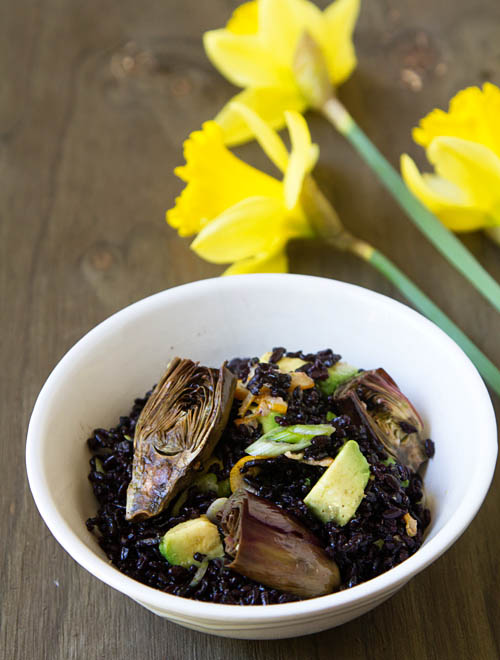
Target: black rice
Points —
{"points": [[373, 541]]}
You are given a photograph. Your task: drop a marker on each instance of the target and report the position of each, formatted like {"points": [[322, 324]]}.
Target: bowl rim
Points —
{"points": [[169, 604]]}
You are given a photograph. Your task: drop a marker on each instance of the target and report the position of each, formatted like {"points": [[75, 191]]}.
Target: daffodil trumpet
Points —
{"points": [[239, 213]]}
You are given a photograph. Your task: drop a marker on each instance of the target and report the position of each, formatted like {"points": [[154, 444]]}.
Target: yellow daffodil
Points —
{"points": [[463, 145], [241, 214], [257, 49], [244, 216]]}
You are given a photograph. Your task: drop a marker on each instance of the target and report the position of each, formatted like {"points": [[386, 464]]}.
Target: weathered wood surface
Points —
{"points": [[96, 98]]}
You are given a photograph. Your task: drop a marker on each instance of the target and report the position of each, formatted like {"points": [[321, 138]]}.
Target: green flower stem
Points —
{"points": [[442, 239], [424, 304], [328, 226]]}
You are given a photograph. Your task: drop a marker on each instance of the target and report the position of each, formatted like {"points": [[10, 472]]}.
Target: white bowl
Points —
{"points": [[216, 319]]}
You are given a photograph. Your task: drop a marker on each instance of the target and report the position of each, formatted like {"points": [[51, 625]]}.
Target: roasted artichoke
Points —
{"points": [[270, 546], [177, 430], [387, 413]]}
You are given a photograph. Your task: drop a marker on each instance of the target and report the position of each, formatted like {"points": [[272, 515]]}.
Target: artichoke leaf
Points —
{"points": [[176, 432]]}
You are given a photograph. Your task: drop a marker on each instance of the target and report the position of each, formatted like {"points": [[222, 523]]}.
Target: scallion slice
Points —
{"points": [[278, 441]]}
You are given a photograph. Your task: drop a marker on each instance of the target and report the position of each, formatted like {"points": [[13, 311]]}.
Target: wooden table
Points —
{"points": [[97, 97]]}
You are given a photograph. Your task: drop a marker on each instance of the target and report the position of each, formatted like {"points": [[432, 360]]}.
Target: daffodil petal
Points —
{"points": [[445, 190], [269, 103], [443, 198], [313, 155], [277, 26], [436, 123], [243, 60], [299, 163], [489, 135], [275, 262], [282, 22], [464, 219], [242, 231], [340, 20], [433, 189], [216, 180], [472, 167], [473, 115], [269, 140], [245, 19]]}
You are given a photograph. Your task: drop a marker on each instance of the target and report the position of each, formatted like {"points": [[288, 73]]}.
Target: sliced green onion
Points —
{"points": [[310, 429], [270, 448], [268, 422], [180, 502], [216, 506], [288, 438], [200, 573]]}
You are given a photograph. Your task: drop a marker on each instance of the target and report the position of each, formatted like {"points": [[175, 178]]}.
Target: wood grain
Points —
{"points": [[96, 100]]}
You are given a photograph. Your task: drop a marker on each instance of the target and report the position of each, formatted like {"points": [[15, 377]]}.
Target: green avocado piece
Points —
{"points": [[339, 491], [184, 540], [223, 488], [207, 483], [337, 375]]}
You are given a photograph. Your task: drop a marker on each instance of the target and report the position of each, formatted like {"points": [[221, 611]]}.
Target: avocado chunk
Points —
{"points": [[339, 491], [207, 483], [286, 364], [337, 375], [184, 540], [289, 364]]}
